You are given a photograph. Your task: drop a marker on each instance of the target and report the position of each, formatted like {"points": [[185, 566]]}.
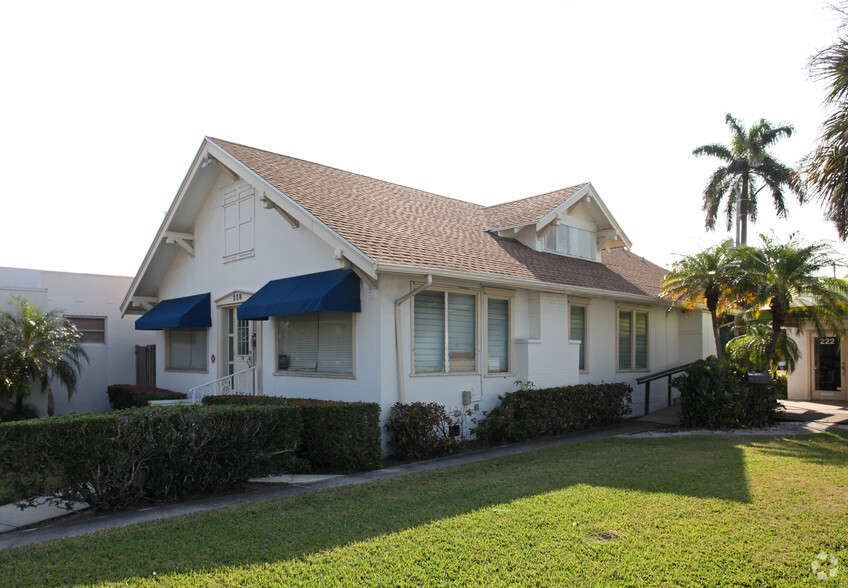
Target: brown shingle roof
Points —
{"points": [[527, 210], [394, 224]]}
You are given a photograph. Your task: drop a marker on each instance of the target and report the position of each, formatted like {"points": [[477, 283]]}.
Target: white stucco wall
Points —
{"points": [[541, 350], [112, 362]]}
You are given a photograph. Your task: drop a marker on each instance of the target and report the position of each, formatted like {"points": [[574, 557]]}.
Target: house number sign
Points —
{"points": [[827, 341], [237, 296]]}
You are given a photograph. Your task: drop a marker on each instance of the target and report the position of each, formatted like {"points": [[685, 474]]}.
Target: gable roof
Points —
{"points": [[379, 226], [397, 225]]}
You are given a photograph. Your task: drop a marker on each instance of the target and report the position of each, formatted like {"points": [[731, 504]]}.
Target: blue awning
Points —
{"points": [[333, 290], [190, 311]]}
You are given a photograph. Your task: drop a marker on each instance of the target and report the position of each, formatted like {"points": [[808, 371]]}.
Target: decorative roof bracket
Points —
{"points": [[269, 204], [181, 239]]}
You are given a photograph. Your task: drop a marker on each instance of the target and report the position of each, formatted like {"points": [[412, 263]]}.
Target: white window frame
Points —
{"points": [[584, 304], [75, 317], [477, 346], [334, 375], [234, 196], [633, 310], [168, 367], [509, 296]]}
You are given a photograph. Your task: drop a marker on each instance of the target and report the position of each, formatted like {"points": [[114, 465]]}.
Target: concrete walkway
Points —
{"points": [[44, 522]]}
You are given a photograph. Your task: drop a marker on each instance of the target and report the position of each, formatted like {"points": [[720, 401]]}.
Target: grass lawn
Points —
{"points": [[685, 511]]}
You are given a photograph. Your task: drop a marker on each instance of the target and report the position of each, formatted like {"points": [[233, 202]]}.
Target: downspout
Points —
{"points": [[398, 340]]}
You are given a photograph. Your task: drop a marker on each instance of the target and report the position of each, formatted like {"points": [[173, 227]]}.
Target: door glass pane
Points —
{"points": [[828, 364]]}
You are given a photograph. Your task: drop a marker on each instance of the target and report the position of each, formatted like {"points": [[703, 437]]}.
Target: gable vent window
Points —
{"points": [[571, 241], [238, 221]]}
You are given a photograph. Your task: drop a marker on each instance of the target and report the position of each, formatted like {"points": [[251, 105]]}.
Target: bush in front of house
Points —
{"points": [[116, 459], [337, 437], [123, 396], [530, 412], [420, 430], [715, 395]]}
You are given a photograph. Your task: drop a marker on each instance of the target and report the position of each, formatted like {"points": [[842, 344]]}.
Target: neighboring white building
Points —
{"points": [[376, 292], [820, 371], [93, 303]]}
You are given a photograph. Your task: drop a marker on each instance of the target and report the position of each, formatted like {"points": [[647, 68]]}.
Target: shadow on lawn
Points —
{"points": [[297, 526], [818, 449]]}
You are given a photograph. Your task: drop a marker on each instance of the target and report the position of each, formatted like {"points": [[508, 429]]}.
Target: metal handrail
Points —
{"points": [[656, 376], [242, 382]]}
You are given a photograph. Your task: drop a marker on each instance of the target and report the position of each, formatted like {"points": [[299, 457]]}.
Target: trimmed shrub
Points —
{"points": [[714, 394], [419, 431], [123, 396], [529, 413], [337, 437], [116, 459]]}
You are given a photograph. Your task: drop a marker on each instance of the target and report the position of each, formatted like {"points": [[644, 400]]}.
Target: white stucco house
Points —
{"points": [[321, 283], [93, 303]]}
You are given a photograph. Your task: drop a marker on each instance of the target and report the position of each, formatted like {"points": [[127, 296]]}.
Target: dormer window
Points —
{"points": [[571, 241]]}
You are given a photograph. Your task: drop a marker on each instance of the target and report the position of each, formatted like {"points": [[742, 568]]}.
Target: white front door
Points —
{"points": [[241, 342]]}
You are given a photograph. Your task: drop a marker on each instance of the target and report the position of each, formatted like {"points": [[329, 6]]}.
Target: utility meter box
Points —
{"points": [[466, 397]]}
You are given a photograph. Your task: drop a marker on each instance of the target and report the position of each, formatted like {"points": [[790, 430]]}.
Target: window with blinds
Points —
{"points": [[186, 349], [445, 325], [93, 329], [497, 339], [315, 342], [632, 340], [571, 241], [577, 332]]}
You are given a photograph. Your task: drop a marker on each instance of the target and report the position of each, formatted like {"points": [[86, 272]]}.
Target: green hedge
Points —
{"points": [[419, 430], [337, 437], [123, 396], [715, 395], [116, 459], [530, 413]]}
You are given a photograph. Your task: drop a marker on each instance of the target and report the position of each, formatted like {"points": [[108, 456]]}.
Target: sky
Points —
{"points": [[105, 104]]}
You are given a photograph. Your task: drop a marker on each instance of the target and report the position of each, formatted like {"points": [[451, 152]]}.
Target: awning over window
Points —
{"points": [[190, 311], [333, 290]]}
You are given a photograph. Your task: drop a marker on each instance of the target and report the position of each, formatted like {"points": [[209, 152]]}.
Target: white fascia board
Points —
{"points": [[394, 268], [160, 234], [302, 215]]}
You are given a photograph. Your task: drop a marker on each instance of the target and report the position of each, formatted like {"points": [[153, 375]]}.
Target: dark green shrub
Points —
{"points": [[529, 413], [713, 394], [11, 413], [419, 431], [337, 437], [116, 459], [123, 396]]}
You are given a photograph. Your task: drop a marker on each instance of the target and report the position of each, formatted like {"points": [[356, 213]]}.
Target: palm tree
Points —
{"points": [[707, 278], [827, 166], [747, 164], [752, 350], [38, 345], [787, 289]]}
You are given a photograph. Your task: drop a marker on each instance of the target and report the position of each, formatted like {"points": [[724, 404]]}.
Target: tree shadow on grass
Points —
{"points": [[826, 449], [296, 526]]}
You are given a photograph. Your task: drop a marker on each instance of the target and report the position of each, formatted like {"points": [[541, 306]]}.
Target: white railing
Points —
{"points": [[241, 383]]}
